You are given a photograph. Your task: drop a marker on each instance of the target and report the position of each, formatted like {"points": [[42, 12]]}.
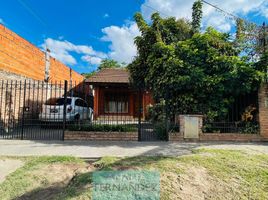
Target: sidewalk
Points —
{"points": [[92, 149]]}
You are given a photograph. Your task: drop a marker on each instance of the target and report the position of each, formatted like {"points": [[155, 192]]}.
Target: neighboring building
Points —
{"points": [[20, 60], [29, 77], [114, 96]]}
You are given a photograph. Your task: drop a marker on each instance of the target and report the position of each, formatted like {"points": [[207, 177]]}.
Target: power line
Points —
{"points": [[214, 6], [155, 10], [234, 17], [32, 12], [36, 16], [228, 13]]}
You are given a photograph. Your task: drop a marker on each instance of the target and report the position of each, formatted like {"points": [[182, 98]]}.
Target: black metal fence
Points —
{"points": [[37, 110], [242, 117]]}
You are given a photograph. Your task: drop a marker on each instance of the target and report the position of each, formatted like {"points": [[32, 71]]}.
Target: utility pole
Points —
{"points": [[71, 82], [47, 65]]}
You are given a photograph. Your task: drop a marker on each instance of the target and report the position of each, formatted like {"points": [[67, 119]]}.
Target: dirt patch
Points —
{"points": [[8, 166], [196, 184], [59, 174], [52, 179]]}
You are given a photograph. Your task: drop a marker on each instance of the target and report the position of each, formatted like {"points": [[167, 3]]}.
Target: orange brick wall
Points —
{"points": [[263, 110], [23, 58], [101, 136]]}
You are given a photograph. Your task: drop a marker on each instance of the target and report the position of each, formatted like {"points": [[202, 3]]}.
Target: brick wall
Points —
{"points": [[235, 137], [176, 137], [8, 76], [23, 58], [101, 136], [18, 96], [263, 111]]}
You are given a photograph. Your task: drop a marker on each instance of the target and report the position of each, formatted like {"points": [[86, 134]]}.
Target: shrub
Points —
{"points": [[160, 130], [156, 112], [236, 127], [249, 128], [104, 128]]}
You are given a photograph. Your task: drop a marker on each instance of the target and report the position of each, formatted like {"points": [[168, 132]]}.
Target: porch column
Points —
{"points": [[143, 104], [96, 102], [131, 104], [263, 111]]}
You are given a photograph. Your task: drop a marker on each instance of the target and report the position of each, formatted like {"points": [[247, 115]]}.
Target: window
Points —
{"points": [[58, 102], [116, 103], [81, 103]]}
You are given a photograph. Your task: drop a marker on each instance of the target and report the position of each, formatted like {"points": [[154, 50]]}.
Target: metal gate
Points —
{"points": [[159, 125], [21, 104], [150, 129], [26, 108], [157, 131], [149, 132]]}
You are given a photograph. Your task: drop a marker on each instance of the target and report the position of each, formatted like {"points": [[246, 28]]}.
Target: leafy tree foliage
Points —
{"points": [[251, 40], [197, 16], [167, 31], [262, 65], [109, 63], [198, 74], [88, 75], [106, 63], [246, 40]]}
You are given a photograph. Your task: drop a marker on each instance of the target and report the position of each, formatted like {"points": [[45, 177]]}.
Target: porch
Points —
{"points": [[115, 99]]}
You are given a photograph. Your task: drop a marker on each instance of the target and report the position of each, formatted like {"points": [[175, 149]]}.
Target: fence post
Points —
{"points": [[64, 109], [167, 113], [23, 110], [139, 110]]}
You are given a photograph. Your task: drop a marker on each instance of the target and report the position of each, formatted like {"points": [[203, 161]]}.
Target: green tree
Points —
{"points": [[240, 29], [251, 40], [246, 40], [109, 63], [198, 74], [197, 16], [166, 31], [106, 63], [88, 75], [262, 65]]}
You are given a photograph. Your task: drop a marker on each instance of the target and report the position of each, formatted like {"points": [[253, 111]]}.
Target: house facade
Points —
{"points": [[114, 97]]}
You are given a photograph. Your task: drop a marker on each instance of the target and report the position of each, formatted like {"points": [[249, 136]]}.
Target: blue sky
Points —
{"points": [[81, 33]]}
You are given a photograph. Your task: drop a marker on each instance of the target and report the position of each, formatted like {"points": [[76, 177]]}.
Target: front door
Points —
{"points": [[136, 105]]}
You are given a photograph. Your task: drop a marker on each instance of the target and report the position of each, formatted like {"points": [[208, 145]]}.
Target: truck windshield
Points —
{"points": [[58, 102]]}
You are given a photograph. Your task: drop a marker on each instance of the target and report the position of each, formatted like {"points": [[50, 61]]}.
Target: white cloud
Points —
{"points": [[182, 8], [92, 59], [2, 21], [219, 22], [106, 15], [62, 50], [264, 9], [122, 47], [121, 38]]}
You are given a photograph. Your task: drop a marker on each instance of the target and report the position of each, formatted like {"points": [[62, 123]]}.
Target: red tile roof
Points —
{"points": [[113, 75]]}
